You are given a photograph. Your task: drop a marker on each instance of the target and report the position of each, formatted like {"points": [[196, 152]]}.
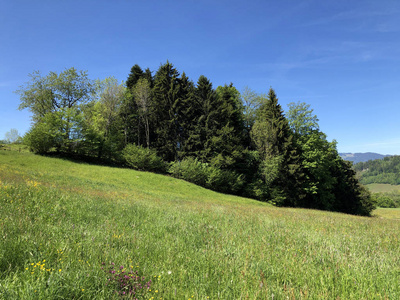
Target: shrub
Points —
{"points": [[190, 169], [209, 176], [224, 181], [395, 196], [143, 159], [384, 200], [42, 137]]}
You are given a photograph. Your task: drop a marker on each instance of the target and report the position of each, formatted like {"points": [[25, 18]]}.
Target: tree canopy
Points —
{"points": [[216, 137], [12, 136]]}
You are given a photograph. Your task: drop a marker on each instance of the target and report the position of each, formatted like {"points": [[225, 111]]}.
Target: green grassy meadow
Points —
{"points": [[71, 230], [382, 187]]}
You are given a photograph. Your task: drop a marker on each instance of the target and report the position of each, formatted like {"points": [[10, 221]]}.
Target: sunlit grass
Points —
{"points": [[62, 225], [382, 187], [387, 213]]}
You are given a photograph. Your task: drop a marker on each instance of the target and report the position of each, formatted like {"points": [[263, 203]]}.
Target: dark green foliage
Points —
{"points": [[350, 196], [204, 118], [271, 133], [95, 145], [188, 117], [394, 196], [386, 200], [227, 142], [166, 93], [143, 159], [281, 165], [249, 165], [318, 160], [224, 181], [134, 76], [206, 175]]}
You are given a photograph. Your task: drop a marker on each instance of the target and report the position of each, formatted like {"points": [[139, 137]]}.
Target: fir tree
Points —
{"points": [[205, 119], [228, 140], [134, 76], [188, 113], [166, 93], [280, 159]]}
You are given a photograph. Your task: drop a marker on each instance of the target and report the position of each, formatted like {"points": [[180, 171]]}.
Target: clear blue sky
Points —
{"points": [[341, 57]]}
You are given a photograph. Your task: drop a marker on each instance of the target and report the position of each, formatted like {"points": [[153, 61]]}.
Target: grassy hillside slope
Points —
{"points": [[383, 187], [80, 231]]}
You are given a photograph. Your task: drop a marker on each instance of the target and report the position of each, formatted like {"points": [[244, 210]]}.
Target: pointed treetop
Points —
{"points": [[134, 75]]}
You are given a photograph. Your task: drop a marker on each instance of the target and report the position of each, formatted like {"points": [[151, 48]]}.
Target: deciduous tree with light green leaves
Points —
{"points": [[63, 94], [301, 118], [251, 102], [103, 125], [133, 127], [330, 183], [142, 95], [12, 136]]}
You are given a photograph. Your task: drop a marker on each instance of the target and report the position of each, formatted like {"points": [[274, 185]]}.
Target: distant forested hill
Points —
{"points": [[386, 170], [361, 157]]}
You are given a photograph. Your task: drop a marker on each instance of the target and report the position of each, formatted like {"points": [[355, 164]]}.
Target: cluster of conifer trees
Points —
{"points": [[219, 138]]}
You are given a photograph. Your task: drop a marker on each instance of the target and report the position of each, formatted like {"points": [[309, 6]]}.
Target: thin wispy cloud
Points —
{"points": [[370, 17]]}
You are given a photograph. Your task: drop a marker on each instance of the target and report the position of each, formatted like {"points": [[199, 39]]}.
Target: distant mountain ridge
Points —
{"points": [[361, 157]]}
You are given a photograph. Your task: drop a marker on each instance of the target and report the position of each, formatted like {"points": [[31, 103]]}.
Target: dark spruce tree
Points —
{"points": [[350, 196], [204, 120], [228, 140], [149, 76], [188, 113], [281, 165], [134, 76], [167, 100]]}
